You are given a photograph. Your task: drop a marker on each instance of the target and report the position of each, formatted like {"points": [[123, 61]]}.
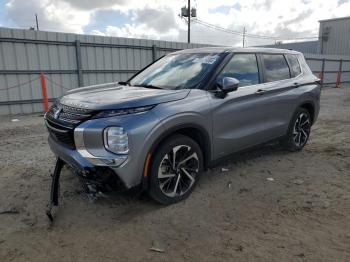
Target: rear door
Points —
{"points": [[281, 73]]}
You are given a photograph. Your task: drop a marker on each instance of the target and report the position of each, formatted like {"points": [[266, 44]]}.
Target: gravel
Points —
{"points": [[235, 213]]}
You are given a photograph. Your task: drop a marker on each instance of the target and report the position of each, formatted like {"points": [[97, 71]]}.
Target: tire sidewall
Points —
{"points": [[166, 146], [289, 141]]}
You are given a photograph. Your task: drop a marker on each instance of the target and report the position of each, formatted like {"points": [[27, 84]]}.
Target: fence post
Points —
{"points": [[154, 52], [79, 64], [339, 73], [322, 71], [44, 92]]}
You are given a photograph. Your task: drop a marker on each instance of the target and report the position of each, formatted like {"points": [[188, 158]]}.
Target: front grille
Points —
{"points": [[65, 137], [68, 116], [61, 121]]}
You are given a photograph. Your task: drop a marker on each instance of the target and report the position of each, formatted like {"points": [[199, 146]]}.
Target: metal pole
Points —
{"points": [[189, 22], [322, 71], [154, 53], [339, 73], [243, 35], [37, 22], [79, 64]]}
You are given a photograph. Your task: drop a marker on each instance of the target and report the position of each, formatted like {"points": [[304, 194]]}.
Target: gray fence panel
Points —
{"points": [[24, 54]]}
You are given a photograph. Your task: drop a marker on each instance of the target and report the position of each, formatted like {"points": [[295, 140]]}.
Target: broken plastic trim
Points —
{"points": [[54, 192]]}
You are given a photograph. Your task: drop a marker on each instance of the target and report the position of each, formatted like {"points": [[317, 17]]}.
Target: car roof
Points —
{"points": [[227, 49]]}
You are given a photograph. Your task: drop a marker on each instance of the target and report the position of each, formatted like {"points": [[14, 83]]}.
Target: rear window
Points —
{"points": [[294, 65], [276, 67]]}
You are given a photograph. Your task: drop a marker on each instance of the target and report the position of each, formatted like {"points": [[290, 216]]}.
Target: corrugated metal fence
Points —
{"points": [[333, 69], [68, 61], [71, 60]]}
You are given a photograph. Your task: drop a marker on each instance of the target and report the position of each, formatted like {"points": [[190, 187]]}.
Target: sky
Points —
{"points": [[160, 19]]}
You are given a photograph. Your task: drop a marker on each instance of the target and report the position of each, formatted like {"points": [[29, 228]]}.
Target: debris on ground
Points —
{"points": [[11, 210], [243, 190], [157, 247], [229, 184], [270, 179], [239, 248], [224, 169], [298, 181], [15, 120]]}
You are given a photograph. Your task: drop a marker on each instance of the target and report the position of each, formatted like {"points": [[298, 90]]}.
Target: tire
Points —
{"points": [[169, 181], [298, 131]]}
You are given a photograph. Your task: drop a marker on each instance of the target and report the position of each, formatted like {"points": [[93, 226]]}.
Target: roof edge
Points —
{"points": [[334, 19]]}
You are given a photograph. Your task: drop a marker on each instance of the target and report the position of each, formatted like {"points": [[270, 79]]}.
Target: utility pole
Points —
{"points": [[189, 22], [243, 36], [37, 23], [188, 13]]}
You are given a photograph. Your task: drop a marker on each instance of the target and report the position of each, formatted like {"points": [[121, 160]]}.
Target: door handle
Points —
{"points": [[260, 91], [296, 84]]}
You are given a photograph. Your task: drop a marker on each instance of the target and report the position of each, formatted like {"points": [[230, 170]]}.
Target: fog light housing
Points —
{"points": [[116, 161], [116, 140]]}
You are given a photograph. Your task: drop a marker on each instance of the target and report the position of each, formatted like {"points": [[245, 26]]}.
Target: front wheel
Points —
{"points": [[299, 130], [176, 167]]}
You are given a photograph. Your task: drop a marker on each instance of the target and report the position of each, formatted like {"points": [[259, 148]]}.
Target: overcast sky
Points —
{"points": [[159, 19]]}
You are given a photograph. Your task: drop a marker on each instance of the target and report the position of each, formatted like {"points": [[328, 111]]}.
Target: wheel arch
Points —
{"points": [[310, 107], [194, 131]]}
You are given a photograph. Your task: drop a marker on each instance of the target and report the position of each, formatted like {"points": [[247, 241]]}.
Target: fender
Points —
{"points": [[174, 124]]}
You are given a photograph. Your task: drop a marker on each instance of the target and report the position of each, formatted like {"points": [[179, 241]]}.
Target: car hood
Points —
{"points": [[118, 97]]}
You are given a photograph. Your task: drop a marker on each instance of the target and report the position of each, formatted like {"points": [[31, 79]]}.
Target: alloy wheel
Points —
{"points": [[178, 170], [301, 129]]}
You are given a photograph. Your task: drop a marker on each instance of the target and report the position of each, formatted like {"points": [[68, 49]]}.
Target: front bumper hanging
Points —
{"points": [[55, 184]]}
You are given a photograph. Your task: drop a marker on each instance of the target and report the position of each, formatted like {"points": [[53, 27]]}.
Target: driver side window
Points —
{"points": [[243, 67]]}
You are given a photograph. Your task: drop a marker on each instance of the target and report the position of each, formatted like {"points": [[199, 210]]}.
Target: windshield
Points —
{"points": [[177, 71]]}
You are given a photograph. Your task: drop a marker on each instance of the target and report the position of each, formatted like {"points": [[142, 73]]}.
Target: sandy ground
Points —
{"points": [[234, 215]]}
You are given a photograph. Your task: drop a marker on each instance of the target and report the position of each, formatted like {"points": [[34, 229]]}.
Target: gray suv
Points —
{"points": [[165, 125]]}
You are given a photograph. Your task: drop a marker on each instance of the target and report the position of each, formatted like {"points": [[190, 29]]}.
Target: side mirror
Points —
{"points": [[229, 84]]}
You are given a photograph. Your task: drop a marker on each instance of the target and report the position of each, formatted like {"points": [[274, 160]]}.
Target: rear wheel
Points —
{"points": [[299, 130], [175, 169]]}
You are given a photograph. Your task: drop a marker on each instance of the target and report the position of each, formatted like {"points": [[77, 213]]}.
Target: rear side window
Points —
{"points": [[294, 65], [243, 67], [276, 67]]}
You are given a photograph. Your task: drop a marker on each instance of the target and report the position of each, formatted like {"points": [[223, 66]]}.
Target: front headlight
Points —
{"points": [[120, 112], [116, 140]]}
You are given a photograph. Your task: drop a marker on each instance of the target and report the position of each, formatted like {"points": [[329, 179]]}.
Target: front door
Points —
{"points": [[241, 119]]}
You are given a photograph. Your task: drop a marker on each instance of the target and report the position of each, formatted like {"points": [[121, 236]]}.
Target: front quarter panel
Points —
{"points": [[194, 111]]}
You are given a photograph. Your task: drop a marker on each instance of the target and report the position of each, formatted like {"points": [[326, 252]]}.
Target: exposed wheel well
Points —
{"points": [[309, 107]]}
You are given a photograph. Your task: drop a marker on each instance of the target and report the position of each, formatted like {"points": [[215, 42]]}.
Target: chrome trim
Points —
{"points": [[54, 128], [115, 161]]}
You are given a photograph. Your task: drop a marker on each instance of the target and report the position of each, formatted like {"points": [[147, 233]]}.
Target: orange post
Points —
{"points": [[44, 92], [337, 84], [320, 76]]}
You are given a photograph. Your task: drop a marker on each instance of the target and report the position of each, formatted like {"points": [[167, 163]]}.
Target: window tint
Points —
{"points": [[294, 64], [276, 67], [243, 67]]}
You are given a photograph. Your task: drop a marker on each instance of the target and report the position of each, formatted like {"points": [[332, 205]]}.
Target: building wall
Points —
{"points": [[68, 61], [334, 35]]}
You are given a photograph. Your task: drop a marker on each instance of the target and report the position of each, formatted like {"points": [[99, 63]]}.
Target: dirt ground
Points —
{"points": [[270, 205]]}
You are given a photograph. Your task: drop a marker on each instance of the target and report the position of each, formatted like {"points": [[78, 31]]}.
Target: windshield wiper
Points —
{"points": [[124, 83], [149, 86]]}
